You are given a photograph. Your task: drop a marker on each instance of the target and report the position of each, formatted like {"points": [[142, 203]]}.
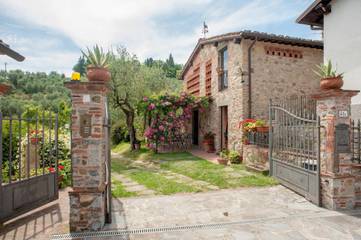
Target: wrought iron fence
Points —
{"points": [[258, 138], [28, 146], [356, 141]]}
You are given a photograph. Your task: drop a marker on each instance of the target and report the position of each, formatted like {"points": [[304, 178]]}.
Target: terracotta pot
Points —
{"points": [[98, 74], [331, 83], [137, 146], [35, 140], [262, 129], [222, 161], [209, 145]]}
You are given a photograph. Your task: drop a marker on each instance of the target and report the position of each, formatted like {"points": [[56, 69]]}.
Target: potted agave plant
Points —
{"points": [[330, 79], [98, 60]]}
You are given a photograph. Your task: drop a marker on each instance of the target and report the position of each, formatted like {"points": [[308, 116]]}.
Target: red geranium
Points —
{"points": [[51, 169], [248, 120], [61, 167]]}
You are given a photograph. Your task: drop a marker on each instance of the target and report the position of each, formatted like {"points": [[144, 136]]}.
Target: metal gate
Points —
{"points": [[28, 163], [294, 149]]}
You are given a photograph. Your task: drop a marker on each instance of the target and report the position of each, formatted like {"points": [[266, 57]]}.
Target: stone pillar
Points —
{"points": [[87, 198], [337, 177]]}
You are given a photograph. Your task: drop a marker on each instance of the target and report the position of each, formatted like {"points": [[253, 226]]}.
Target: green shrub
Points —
{"points": [[119, 134], [65, 171], [47, 152], [6, 149], [234, 157]]}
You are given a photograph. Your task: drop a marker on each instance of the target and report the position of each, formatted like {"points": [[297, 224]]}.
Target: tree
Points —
{"points": [[80, 66], [130, 82]]}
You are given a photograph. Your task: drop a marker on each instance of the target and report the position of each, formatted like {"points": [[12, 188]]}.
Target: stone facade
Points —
{"points": [[87, 199], [273, 76], [256, 157]]}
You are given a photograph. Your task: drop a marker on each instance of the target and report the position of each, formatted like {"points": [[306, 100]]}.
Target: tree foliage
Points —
{"points": [[34, 92], [130, 81]]}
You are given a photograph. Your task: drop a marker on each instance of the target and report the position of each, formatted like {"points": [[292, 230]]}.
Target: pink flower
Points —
{"points": [[145, 99], [161, 128], [151, 106], [162, 138]]}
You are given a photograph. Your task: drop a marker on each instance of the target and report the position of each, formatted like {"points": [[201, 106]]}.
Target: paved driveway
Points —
{"points": [[253, 213], [248, 213]]}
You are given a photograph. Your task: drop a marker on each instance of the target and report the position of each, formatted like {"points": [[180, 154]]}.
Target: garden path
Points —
{"points": [[132, 186]]}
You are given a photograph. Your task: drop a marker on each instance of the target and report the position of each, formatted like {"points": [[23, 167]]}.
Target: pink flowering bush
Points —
{"points": [[167, 115]]}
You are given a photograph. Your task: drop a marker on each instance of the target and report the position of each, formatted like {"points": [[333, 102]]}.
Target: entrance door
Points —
{"points": [[224, 128], [195, 127]]}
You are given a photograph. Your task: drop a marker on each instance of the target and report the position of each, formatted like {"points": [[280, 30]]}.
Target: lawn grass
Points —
{"points": [[119, 190], [200, 169], [150, 179], [159, 183]]}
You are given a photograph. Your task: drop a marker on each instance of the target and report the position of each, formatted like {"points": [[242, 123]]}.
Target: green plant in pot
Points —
{"points": [[234, 157], [208, 142], [330, 79], [98, 63], [223, 157]]}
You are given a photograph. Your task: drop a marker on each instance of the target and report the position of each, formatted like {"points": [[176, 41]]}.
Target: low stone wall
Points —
{"points": [[256, 157]]}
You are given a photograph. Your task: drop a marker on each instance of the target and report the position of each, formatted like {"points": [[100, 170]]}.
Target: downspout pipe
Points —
{"points": [[250, 78]]}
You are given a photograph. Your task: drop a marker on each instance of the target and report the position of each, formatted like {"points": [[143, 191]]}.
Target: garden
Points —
{"points": [[177, 172]]}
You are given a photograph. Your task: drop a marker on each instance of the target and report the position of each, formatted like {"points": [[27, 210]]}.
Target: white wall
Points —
{"points": [[342, 41]]}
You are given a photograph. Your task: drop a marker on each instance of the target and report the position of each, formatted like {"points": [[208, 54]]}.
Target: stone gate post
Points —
{"points": [[338, 189], [88, 197]]}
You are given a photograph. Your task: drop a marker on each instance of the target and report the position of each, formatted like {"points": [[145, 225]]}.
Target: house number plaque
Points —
{"points": [[342, 138], [85, 125]]}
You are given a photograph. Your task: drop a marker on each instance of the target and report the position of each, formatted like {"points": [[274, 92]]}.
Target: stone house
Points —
{"points": [[240, 72]]}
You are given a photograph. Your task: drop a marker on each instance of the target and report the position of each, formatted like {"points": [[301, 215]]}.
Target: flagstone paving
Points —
{"points": [[132, 186], [248, 213]]}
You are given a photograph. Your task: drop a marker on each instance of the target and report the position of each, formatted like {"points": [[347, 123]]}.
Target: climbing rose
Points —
{"points": [[151, 106]]}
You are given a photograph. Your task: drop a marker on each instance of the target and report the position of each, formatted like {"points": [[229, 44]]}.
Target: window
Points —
{"points": [[223, 68]]}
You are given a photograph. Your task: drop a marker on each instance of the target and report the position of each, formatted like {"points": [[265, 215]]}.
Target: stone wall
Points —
{"points": [[88, 154], [340, 177], [256, 157], [278, 76], [272, 77]]}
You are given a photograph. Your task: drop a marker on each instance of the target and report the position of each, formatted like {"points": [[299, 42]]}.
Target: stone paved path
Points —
{"points": [[132, 186]]}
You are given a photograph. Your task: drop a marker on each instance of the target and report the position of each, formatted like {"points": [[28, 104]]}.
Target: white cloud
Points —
{"points": [[133, 24]]}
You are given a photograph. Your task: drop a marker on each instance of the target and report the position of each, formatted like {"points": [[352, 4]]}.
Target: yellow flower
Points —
{"points": [[75, 76]]}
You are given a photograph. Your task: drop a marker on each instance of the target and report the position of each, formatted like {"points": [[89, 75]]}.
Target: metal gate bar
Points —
{"points": [[294, 148]]}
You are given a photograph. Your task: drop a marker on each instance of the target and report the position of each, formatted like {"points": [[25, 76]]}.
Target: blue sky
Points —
{"points": [[50, 33]]}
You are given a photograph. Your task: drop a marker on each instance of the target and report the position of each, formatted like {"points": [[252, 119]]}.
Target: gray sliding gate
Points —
{"points": [[294, 147], [28, 163]]}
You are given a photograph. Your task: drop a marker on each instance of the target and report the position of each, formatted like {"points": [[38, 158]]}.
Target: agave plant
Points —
{"points": [[327, 71], [97, 57]]}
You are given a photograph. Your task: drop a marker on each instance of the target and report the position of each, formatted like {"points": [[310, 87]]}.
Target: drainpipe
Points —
{"points": [[250, 78]]}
